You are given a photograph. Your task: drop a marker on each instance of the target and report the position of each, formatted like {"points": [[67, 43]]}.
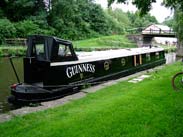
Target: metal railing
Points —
{"points": [[16, 41], [160, 31]]}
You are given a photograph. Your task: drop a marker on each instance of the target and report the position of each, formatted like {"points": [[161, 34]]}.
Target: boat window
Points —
{"points": [[39, 49], [64, 51]]}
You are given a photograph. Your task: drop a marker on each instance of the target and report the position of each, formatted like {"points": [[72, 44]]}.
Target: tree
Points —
{"points": [[77, 19], [18, 10], [169, 22], [138, 21], [178, 27], [145, 5], [7, 30], [120, 16]]}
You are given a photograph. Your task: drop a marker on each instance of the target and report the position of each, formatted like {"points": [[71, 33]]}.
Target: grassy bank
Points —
{"points": [[6, 51], [114, 41], [147, 109]]}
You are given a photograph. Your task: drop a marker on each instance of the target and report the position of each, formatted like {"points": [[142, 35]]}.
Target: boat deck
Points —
{"points": [[107, 54]]}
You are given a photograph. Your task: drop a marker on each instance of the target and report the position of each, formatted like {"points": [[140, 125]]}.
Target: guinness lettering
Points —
{"points": [[71, 71]]}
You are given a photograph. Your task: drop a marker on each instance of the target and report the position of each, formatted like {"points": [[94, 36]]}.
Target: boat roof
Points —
{"points": [[85, 57]]}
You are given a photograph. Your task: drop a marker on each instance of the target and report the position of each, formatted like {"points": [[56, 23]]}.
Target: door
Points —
{"points": [[36, 61]]}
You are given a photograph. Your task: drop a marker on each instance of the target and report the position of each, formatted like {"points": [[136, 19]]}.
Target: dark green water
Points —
{"points": [[7, 77]]}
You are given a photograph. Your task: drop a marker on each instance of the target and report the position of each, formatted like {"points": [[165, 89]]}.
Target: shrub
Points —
{"points": [[7, 30], [12, 51], [28, 27]]}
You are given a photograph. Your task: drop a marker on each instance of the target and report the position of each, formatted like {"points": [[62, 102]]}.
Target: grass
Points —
{"points": [[6, 51], [114, 41], [148, 109]]}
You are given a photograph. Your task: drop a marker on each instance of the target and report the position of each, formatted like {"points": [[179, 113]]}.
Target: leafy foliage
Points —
{"points": [[77, 19], [118, 20], [16, 10], [7, 29], [68, 19], [169, 22], [12, 51], [138, 21], [28, 27], [174, 4], [145, 6], [179, 24]]}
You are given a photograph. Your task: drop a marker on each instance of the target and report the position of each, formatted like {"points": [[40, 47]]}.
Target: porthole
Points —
{"points": [[106, 65]]}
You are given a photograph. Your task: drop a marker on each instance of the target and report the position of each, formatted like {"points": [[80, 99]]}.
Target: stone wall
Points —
{"points": [[137, 38]]}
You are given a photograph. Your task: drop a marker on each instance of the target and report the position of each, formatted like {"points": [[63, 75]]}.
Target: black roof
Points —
{"points": [[67, 42]]}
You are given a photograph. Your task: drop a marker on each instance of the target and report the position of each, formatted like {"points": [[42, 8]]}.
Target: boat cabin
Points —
{"points": [[41, 51], [51, 49]]}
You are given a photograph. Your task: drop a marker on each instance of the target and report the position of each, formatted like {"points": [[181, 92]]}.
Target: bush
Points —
{"points": [[12, 51], [113, 25], [7, 30], [21, 29], [117, 20], [28, 27]]}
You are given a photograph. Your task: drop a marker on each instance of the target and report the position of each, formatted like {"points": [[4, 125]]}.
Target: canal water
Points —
{"points": [[7, 77]]}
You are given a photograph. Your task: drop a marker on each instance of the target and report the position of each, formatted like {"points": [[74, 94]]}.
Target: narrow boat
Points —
{"points": [[52, 69]]}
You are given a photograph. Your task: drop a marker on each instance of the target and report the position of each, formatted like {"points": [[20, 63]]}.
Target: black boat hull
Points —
{"points": [[37, 94]]}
